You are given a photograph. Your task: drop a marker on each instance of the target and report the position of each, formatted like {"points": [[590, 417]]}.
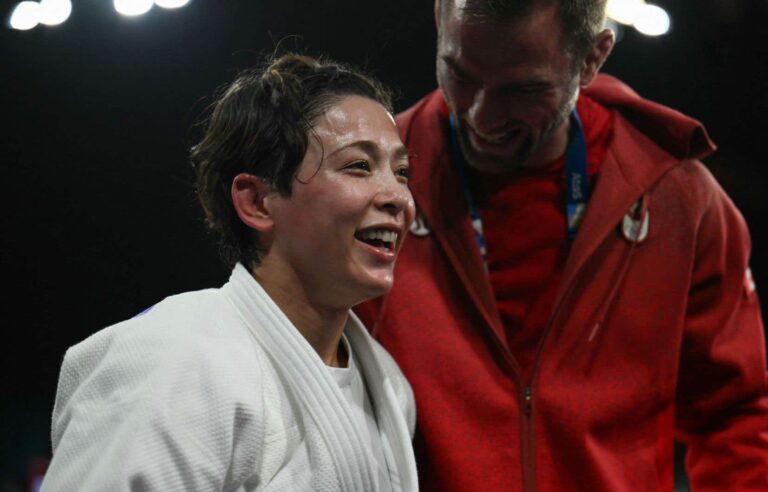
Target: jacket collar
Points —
{"points": [[435, 189], [631, 167], [648, 141]]}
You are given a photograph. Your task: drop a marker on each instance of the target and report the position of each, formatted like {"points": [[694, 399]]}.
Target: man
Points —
{"points": [[576, 293]]}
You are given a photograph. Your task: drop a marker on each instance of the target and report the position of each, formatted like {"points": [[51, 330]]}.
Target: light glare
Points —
{"points": [[624, 11], [25, 16], [54, 12], [171, 4], [133, 7], [652, 20]]}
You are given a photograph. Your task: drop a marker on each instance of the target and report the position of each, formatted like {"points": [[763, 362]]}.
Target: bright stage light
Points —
{"points": [[652, 20], [171, 4], [133, 7], [624, 11], [25, 16], [54, 12]]}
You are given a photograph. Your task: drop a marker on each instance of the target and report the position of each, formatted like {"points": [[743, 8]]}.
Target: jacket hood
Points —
{"points": [[680, 135]]}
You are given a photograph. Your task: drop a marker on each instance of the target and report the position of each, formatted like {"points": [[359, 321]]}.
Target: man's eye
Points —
{"points": [[458, 75], [358, 165], [531, 89]]}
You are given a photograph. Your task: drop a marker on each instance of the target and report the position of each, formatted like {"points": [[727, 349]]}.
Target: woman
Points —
{"points": [[269, 383]]}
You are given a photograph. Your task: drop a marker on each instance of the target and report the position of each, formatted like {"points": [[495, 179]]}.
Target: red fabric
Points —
{"points": [[680, 352], [524, 222]]}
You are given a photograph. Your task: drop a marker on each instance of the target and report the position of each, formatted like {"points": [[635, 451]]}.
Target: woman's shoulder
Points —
{"points": [[180, 342], [182, 375]]}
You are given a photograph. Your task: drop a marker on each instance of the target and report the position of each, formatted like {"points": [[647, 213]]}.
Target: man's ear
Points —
{"points": [[596, 56], [438, 14], [251, 197]]}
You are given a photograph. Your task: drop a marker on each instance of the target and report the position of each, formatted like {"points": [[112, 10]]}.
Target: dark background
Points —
{"points": [[97, 217]]}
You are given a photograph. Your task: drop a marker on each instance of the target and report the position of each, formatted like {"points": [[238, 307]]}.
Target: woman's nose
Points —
{"points": [[394, 196]]}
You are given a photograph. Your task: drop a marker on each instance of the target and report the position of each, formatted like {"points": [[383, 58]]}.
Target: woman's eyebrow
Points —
{"points": [[372, 148], [367, 146], [402, 154]]}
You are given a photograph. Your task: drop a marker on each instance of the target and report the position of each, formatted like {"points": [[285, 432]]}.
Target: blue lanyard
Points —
{"points": [[577, 181]]}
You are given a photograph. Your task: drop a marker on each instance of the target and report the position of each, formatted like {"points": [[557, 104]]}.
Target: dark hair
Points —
{"points": [[260, 124], [581, 20]]}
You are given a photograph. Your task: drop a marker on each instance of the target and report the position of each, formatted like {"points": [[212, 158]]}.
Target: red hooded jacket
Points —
{"points": [[655, 333]]}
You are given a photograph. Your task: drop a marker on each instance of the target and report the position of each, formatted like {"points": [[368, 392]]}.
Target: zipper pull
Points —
{"points": [[528, 400]]}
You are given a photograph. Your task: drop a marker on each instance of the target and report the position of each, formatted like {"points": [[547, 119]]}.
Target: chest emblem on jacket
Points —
{"points": [[634, 225], [419, 226]]}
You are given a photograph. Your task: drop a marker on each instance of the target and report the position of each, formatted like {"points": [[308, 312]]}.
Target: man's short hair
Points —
{"points": [[260, 125], [581, 20]]}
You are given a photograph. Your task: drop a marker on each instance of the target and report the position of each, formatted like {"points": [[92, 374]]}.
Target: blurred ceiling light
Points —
{"points": [[648, 19], [54, 12], [171, 4], [652, 20], [25, 16], [624, 11], [133, 7]]}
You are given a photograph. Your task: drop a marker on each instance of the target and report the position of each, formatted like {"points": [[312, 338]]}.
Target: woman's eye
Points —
{"points": [[403, 172], [359, 165]]}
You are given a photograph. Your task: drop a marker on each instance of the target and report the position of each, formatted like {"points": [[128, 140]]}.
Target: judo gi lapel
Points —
{"points": [[309, 380], [393, 429]]}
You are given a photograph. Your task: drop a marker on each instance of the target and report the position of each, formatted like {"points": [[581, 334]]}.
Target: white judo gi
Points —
{"points": [[216, 390]]}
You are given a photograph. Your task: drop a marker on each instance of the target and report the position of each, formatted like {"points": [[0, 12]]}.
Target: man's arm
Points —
{"points": [[722, 402]]}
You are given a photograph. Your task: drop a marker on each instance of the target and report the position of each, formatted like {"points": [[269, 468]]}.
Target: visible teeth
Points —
{"points": [[380, 234], [493, 138], [497, 138]]}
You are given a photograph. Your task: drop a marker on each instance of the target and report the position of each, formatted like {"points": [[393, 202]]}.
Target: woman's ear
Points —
{"points": [[251, 197]]}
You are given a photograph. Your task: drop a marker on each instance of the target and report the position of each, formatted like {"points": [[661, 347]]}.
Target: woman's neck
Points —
{"points": [[321, 326]]}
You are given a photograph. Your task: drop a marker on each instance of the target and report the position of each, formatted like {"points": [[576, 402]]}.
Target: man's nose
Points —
{"points": [[486, 113]]}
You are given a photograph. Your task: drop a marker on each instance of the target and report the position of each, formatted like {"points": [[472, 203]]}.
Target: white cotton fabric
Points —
{"points": [[352, 386], [216, 390]]}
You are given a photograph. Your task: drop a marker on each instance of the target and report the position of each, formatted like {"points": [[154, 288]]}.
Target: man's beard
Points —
{"points": [[528, 147]]}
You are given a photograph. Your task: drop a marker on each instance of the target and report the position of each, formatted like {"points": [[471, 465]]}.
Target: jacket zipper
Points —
{"points": [[528, 398], [528, 445], [526, 430], [525, 405], [529, 484], [525, 396]]}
